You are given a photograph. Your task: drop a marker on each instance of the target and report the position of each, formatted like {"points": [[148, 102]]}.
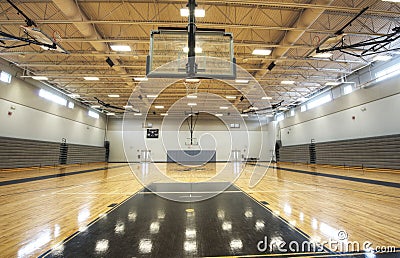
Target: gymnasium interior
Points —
{"points": [[200, 128]]}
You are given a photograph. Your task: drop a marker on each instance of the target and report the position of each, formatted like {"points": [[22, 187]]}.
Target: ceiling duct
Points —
{"points": [[72, 12], [304, 22]]}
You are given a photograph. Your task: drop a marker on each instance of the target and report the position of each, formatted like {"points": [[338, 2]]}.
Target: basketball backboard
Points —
{"points": [[214, 54]]}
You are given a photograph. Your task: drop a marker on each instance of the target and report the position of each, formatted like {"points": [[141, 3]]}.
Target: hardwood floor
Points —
{"points": [[53, 203]]}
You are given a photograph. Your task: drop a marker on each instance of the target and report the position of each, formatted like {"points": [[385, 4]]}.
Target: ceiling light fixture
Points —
{"points": [[323, 55], [40, 78], [74, 96], [191, 96], [382, 58], [223, 107], [192, 104], [242, 81], [287, 82], [265, 98], [198, 13], [89, 78], [128, 106], [110, 114], [262, 52], [197, 50], [332, 83], [163, 114], [230, 97], [159, 107], [113, 95], [121, 48], [95, 106], [141, 79], [218, 114], [152, 96]]}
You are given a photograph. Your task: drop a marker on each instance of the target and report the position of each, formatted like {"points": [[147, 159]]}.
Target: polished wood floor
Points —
{"points": [[38, 213]]}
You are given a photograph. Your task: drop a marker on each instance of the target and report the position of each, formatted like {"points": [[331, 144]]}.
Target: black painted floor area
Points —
{"points": [[146, 225]]}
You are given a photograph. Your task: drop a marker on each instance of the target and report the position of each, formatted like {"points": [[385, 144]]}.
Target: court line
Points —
{"points": [[348, 178], [31, 179]]}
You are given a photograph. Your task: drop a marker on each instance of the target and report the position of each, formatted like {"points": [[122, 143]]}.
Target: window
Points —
{"points": [[52, 97], [280, 117], [303, 108], [71, 105], [347, 89], [5, 77], [388, 72], [319, 101], [93, 114]]}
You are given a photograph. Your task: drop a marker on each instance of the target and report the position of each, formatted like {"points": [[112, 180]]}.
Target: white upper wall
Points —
{"points": [[33, 117], [375, 111]]}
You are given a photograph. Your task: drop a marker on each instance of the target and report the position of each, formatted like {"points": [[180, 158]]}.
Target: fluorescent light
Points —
{"points": [[121, 48], [140, 79], [253, 108], [5, 77], [93, 114], [40, 78], [163, 114], [230, 97], [129, 106], [223, 107], [191, 96], [287, 82], [218, 114], [159, 107], [192, 104], [262, 52], [199, 13], [264, 98], [197, 50], [137, 114], [52, 97], [332, 83], [110, 114], [242, 81], [74, 96], [323, 55], [113, 95], [192, 80], [244, 115], [91, 78], [95, 106], [382, 58], [71, 105]]}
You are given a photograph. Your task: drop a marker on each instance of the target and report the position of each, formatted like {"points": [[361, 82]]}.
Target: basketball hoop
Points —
{"points": [[191, 86]]}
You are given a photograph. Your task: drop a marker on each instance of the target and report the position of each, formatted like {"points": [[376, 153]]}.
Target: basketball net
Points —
{"points": [[191, 87]]}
